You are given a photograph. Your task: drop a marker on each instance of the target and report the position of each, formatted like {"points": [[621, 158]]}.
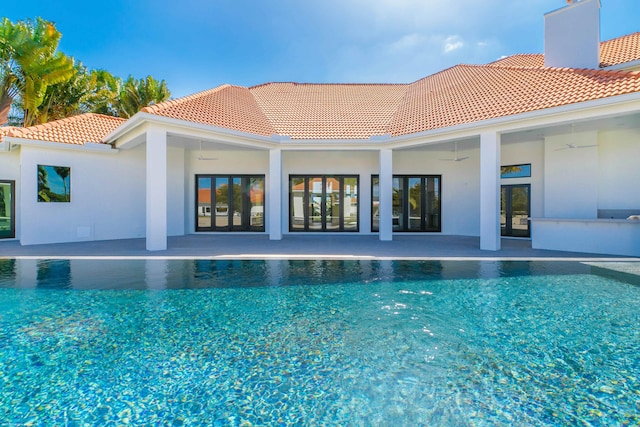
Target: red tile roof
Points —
{"points": [[329, 111], [612, 52], [231, 107], [468, 93], [458, 95], [78, 130], [620, 50]]}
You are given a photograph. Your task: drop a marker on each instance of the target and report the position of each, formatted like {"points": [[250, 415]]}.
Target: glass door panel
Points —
{"points": [[204, 203], [7, 210], [350, 204], [333, 189], [256, 200], [397, 204], [515, 210], [503, 211], [432, 203], [316, 205], [520, 211], [375, 203], [222, 202], [236, 195], [297, 192], [414, 204]]}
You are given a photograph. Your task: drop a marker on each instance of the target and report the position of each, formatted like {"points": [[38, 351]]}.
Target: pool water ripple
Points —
{"points": [[355, 344]]}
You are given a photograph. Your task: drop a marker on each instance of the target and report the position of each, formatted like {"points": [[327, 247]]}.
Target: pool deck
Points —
{"points": [[304, 246]]}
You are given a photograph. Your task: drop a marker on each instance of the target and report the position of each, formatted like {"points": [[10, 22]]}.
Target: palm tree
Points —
{"points": [[136, 94], [29, 63], [63, 172]]}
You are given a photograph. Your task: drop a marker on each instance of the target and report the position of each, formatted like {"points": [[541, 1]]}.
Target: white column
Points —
{"points": [[275, 194], [386, 192], [490, 191], [156, 189]]}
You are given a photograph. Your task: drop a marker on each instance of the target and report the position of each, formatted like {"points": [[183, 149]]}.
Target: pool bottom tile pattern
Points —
{"points": [[404, 344]]}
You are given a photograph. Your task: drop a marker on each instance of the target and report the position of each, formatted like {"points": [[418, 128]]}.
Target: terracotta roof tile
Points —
{"points": [[4, 130], [230, 107], [80, 129], [329, 111], [471, 93], [612, 52], [462, 94], [535, 60], [620, 50]]}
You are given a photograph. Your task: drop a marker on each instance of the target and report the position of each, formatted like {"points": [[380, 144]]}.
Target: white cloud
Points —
{"points": [[406, 43], [452, 43]]}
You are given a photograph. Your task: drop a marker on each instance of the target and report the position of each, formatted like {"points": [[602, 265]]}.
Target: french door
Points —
{"points": [[323, 203], [7, 210], [515, 201], [229, 203]]}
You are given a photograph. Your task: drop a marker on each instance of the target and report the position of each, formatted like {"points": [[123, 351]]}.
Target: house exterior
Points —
{"points": [[529, 146]]}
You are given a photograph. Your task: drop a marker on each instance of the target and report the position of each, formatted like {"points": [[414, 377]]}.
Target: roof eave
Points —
{"points": [[224, 134], [524, 120], [88, 146]]}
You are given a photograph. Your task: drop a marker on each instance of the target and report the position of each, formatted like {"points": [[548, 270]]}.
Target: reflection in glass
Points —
{"points": [[237, 203], [375, 203], [415, 203], [323, 203], [397, 203], [315, 203], [222, 202], [297, 203], [332, 203], [256, 200], [350, 204], [7, 203], [204, 202], [237, 191]]}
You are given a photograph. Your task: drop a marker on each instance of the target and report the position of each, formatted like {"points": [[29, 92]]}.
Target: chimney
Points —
{"points": [[572, 35]]}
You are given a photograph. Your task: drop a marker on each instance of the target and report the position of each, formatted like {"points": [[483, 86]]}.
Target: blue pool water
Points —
{"points": [[305, 343]]}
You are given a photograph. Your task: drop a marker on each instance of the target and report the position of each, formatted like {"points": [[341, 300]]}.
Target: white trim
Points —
{"points": [[623, 66], [88, 146], [219, 133]]}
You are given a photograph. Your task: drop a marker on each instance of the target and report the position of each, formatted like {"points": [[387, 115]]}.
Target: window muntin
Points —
{"points": [[415, 203], [323, 203], [230, 203]]}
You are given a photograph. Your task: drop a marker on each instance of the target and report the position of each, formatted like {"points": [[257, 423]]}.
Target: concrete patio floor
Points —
{"points": [[304, 246]]}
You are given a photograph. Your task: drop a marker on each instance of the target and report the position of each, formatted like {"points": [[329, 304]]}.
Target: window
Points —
{"points": [[229, 203], [323, 203], [415, 203], [515, 171], [7, 210]]}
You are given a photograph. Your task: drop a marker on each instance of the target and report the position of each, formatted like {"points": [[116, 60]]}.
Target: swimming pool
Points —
{"points": [[241, 343]]}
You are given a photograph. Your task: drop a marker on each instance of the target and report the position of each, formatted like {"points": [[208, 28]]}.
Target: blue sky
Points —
{"points": [[195, 44]]}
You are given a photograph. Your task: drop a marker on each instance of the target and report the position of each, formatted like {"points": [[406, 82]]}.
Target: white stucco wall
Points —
{"points": [[571, 176], [362, 163], [619, 173], [239, 162], [10, 171], [524, 153], [107, 196], [460, 182]]}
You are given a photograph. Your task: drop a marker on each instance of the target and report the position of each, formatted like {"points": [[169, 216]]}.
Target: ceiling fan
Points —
{"points": [[202, 157], [455, 154], [572, 145]]}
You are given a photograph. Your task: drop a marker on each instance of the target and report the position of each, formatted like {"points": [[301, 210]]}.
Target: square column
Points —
{"points": [[156, 189], [490, 191], [275, 194], [385, 208]]}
